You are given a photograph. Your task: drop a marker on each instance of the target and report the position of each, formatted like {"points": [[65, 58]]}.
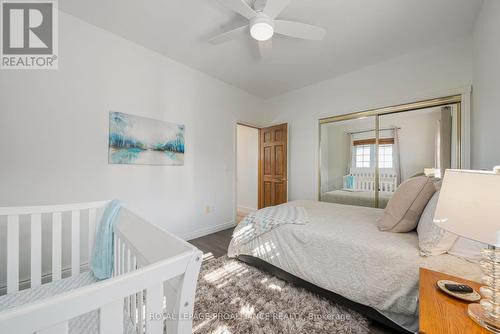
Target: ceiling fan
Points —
{"points": [[263, 24]]}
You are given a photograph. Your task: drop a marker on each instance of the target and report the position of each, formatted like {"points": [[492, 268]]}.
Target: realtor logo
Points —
{"points": [[29, 34]]}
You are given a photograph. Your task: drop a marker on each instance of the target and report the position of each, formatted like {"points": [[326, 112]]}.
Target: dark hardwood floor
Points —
{"points": [[217, 244]]}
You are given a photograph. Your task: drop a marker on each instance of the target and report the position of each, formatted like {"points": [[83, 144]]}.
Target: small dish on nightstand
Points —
{"points": [[470, 297]]}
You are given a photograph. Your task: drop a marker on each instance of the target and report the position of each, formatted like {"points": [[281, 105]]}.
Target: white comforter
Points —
{"points": [[342, 250]]}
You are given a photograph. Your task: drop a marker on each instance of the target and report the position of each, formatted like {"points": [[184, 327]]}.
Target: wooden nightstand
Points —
{"points": [[440, 313]]}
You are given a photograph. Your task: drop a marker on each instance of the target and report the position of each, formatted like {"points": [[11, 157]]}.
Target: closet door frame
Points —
{"points": [[463, 123]]}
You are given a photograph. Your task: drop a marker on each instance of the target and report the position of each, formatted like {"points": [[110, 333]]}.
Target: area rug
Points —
{"points": [[235, 298]]}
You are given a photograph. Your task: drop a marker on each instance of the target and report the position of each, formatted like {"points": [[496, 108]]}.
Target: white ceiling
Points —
{"points": [[359, 33]]}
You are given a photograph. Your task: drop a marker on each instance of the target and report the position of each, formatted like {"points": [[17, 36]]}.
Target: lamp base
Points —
{"points": [[477, 313]]}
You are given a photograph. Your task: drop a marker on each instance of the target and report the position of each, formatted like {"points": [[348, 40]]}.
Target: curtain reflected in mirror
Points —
{"points": [[414, 143], [364, 160]]}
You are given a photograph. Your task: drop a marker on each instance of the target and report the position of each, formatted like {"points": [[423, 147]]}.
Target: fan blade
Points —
{"points": [[299, 30], [228, 35], [266, 49], [275, 7], [240, 7]]}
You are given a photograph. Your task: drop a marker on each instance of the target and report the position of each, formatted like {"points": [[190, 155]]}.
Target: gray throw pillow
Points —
{"points": [[405, 207]]}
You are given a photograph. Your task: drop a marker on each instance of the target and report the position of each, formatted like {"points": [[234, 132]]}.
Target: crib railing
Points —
{"points": [[154, 274], [34, 216], [139, 244], [52, 315], [365, 181]]}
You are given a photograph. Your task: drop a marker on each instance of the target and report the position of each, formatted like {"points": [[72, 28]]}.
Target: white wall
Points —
{"points": [[486, 102], [247, 166], [436, 71], [54, 131], [335, 153], [417, 139]]}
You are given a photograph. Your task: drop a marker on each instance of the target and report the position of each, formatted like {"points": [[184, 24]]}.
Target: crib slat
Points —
{"points": [[61, 328], [92, 226], [126, 269], [122, 258], [111, 318], [12, 254], [56, 246], [133, 301], [171, 301], [36, 250], [154, 305], [129, 260], [118, 256], [129, 268], [115, 255], [75, 242], [140, 312]]}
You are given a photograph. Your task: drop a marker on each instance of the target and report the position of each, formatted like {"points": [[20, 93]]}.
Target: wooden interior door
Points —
{"points": [[273, 171]]}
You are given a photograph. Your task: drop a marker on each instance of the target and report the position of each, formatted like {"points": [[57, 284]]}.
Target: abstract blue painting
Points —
{"points": [[144, 141]]}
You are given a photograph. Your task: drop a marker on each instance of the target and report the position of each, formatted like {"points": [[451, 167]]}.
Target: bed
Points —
{"points": [[358, 188], [361, 198], [341, 250]]}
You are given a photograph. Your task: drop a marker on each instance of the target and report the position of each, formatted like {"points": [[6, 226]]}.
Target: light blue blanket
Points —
{"points": [[102, 254]]}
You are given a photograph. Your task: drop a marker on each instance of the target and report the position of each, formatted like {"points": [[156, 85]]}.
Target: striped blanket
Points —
{"points": [[264, 220]]}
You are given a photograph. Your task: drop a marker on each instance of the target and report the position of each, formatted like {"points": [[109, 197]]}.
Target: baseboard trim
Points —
{"points": [[245, 210], [208, 230]]}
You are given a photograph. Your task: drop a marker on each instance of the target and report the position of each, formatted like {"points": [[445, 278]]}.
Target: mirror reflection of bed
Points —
{"points": [[410, 143]]}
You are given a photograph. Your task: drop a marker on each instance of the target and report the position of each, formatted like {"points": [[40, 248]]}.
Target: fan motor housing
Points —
{"points": [[261, 27]]}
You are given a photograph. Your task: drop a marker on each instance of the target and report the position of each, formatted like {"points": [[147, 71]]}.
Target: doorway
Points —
{"points": [[261, 167], [273, 173], [247, 170]]}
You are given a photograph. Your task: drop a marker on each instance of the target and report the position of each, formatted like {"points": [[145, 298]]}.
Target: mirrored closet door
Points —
{"points": [[347, 162], [365, 156]]}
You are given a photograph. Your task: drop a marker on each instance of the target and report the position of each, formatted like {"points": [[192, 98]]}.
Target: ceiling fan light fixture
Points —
{"points": [[262, 31], [262, 27], [263, 24]]}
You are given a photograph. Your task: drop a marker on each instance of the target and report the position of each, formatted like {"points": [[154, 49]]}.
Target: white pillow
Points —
{"points": [[467, 249], [433, 240]]}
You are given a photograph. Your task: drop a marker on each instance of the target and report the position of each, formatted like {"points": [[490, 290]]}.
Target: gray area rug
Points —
{"points": [[234, 298]]}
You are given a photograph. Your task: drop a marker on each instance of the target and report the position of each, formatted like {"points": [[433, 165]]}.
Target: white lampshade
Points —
{"points": [[469, 205]]}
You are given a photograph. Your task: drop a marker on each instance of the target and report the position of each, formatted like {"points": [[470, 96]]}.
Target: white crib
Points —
{"points": [[155, 273], [365, 181]]}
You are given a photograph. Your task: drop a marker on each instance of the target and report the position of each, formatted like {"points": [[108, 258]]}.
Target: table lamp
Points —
{"points": [[469, 206]]}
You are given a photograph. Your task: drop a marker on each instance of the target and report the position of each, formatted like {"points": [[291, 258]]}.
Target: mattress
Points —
{"points": [[87, 323], [342, 250], [361, 198]]}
